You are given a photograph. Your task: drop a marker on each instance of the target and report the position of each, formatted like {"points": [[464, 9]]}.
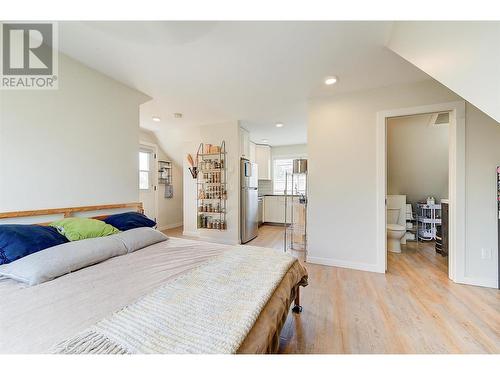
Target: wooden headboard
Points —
{"points": [[69, 211]]}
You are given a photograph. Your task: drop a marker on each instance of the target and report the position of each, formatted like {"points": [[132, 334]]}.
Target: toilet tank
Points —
{"points": [[396, 209]]}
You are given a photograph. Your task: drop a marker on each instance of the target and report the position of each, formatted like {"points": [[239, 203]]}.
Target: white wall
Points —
{"points": [[169, 209], [417, 158], [342, 177], [464, 56], [482, 158], [293, 151], [213, 134], [69, 147]]}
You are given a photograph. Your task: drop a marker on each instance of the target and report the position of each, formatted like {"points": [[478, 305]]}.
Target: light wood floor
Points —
{"points": [[413, 308]]}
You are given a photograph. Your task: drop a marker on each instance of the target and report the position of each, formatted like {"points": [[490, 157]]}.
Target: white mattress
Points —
{"points": [[33, 319]]}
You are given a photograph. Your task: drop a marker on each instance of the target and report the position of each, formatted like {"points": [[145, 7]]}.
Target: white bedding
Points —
{"points": [[210, 309], [33, 319]]}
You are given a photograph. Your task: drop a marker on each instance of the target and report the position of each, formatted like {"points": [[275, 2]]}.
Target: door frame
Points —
{"points": [[154, 148], [456, 183]]}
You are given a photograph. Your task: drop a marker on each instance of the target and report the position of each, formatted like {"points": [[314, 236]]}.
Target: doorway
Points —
{"points": [[148, 189], [417, 189], [456, 178]]}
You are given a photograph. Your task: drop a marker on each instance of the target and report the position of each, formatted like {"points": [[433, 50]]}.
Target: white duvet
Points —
{"points": [[34, 319]]}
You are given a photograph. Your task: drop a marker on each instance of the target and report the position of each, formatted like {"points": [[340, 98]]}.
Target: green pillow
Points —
{"points": [[76, 228]]}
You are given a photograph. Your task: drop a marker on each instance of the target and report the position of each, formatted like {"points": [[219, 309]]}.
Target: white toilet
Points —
{"points": [[396, 222]]}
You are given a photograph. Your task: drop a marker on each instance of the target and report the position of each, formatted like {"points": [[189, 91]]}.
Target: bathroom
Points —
{"points": [[417, 186]]}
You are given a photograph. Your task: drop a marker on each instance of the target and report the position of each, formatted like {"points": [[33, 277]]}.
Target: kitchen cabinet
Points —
{"points": [[244, 143], [263, 160], [260, 217], [251, 152], [274, 209], [270, 210]]}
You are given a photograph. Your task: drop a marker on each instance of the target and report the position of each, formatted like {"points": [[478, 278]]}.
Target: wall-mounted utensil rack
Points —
{"points": [[165, 177], [164, 172], [211, 181]]}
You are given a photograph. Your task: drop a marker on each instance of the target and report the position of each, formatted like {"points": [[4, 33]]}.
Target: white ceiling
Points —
{"points": [[257, 72]]}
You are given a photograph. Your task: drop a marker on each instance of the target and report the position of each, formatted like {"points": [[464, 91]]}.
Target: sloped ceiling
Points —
{"points": [[464, 56]]}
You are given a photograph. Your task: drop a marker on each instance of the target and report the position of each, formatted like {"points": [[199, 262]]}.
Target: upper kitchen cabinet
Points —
{"points": [[252, 152], [263, 160], [244, 143]]}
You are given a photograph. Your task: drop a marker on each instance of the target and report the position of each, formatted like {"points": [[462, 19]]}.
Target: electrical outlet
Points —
{"points": [[485, 253]]}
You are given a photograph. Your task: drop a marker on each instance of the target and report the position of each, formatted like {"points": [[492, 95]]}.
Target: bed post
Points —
{"points": [[297, 308]]}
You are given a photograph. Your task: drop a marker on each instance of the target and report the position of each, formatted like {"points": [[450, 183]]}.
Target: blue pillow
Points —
{"points": [[17, 240], [129, 220]]}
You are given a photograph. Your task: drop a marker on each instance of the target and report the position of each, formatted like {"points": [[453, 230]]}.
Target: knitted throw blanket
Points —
{"points": [[209, 309]]}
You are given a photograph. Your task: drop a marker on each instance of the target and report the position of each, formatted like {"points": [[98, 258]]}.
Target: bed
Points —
{"points": [[39, 318]]}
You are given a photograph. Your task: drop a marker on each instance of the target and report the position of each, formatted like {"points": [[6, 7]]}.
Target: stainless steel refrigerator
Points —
{"points": [[249, 201]]}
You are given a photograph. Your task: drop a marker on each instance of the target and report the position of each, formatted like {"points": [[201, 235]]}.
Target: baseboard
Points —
{"points": [[487, 283], [170, 226], [343, 264], [200, 237]]}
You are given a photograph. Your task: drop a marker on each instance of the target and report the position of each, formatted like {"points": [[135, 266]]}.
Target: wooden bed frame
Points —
{"points": [[69, 211]]}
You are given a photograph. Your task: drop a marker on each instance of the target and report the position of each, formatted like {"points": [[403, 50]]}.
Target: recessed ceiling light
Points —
{"points": [[156, 119], [279, 125], [331, 80], [264, 140]]}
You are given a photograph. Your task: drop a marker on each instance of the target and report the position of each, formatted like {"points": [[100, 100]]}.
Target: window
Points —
{"points": [[144, 169], [280, 168]]}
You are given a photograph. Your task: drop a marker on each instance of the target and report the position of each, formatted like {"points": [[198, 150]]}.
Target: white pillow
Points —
{"points": [[59, 260], [139, 238]]}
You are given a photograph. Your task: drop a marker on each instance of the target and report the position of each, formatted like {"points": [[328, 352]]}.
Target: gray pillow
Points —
{"points": [[59, 260], [139, 238]]}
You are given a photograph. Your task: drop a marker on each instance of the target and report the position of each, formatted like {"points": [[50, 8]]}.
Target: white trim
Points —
{"points": [[456, 269], [209, 239], [154, 147], [343, 264], [487, 283], [170, 226]]}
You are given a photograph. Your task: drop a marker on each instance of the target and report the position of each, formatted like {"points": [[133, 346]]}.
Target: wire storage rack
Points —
{"points": [[211, 181], [428, 218], [411, 224]]}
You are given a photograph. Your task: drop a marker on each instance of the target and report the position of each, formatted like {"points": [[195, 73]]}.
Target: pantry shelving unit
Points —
{"points": [[428, 218], [211, 181]]}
